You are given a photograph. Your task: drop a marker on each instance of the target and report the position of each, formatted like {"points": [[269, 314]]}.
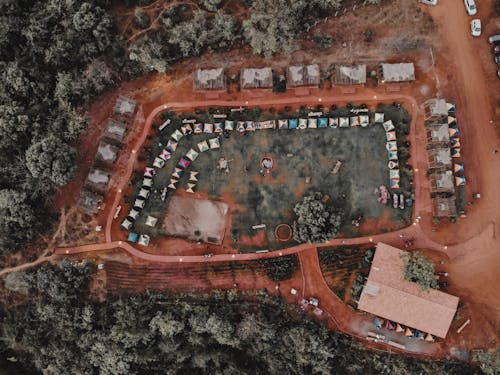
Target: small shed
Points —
{"points": [[254, 78], [350, 74], [125, 106], [308, 75], [402, 72], [209, 79]]}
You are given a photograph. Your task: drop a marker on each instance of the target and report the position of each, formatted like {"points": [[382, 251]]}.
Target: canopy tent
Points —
{"points": [[378, 322], [450, 107], [322, 122], [165, 155], [399, 328], [186, 129], [283, 124], [149, 172], [249, 126], [354, 121], [391, 136], [177, 173], [203, 146], [394, 174], [132, 237], [190, 187], [192, 155], [214, 143], [393, 155], [126, 224], [144, 193], [147, 182], [455, 152], [139, 203], [364, 120], [390, 325], [144, 240], [429, 338], [419, 335], [451, 120], [293, 123], [302, 123], [453, 132], [172, 184], [193, 176], [388, 126], [455, 142], [208, 128], [392, 164], [458, 168], [408, 332], [391, 146], [228, 125], [183, 163], [133, 214], [177, 135], [379, 118], [151, 221], [459, 180], [158, 163], [312, 123], [198, 128], [394, 183], [171, 146], [219, 127], [240, 126], [344, 122], [333, 122]]}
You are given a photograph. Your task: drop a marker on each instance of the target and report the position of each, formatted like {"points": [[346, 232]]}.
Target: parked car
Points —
{"points": [[497, 59], [494, 39], [498, 73], [443, 284], [470, 5], [429, 2], [475, 27], [496, 49], [445, 274]]}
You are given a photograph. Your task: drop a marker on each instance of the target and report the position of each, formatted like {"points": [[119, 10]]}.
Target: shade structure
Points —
{"points": [[240, 126], [214, 143], [392, 164], [293, 123], [391, 136], [165, 155], [393, 155], [458, 168], [455, 152], [354, 121], [391, 146], [399, 328], [132, 237], [208, 128], [283, 124], [364, 120], [333, 122], [198, 128], [151, 221], [429, 338], [133, 214], [302, 123], [395, 183], [144, 193], [312, 123], [147, 182], [219, 127], [158, 163], [451, 119], [394, 174], [453, 132], [455, 142], [249, 126], [343, 122], [171, 146], [322, 122], [139, 203], [379, 117], [183, 163], [193, 176], [190, 187], [177, 135], [149, 172], [177, 173], [229, 125], [388, 126], [173, 184], [203, 146], [408, 332], [186, 129], [126, 224], [459, 180], [144, 240], [192, 155]]}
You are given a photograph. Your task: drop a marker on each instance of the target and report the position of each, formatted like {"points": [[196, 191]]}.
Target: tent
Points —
{"points": [[144, 240], [192, 155], [198, 128], [459, 180], [390, 325], [343, 122], [177, 135], [312, 123], [219, 127], [408, 332], [203, 146], [392, 164], [429, 338], [183, 163], [186, 129], [458, 168], [149, 172], [455, 152], [139, 203], [165, 155], [379, 118], [193, 176], [391, 136], [455, 142], [393, 155], [190, 187], [378, 322], [302, 123], [228, 125], [322, 122], [147, 182], [171, 146], [249, 126], [132, 237], [451, 119], [419, 335], [144, 193], [453, 132], [399, 328], [126, 224], [172, 185], [214, 143], [388, 126], [151, 221], [354, 121], [133, 214], [391, 146], [283, 124], [158, 163], [333, 122], [364, 120], [292, 123], [208, 128], [394, 183], [394, 174], [240, 126], [450, 107], [177, 173]]}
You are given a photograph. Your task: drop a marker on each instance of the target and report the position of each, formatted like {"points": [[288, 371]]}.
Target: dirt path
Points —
{"points": [[43, 259]]}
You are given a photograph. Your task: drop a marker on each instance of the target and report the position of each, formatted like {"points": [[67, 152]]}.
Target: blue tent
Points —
{"points": [[322, 122], [293, 123], [378, 323], [132, 237]]}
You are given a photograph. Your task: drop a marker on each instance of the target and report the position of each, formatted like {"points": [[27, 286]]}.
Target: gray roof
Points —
{"points": [[125, 106], [209, 79], [308, 75], [398, 72], [443, 181], [98, 177], [437, 107], [107, 152], [444, 207], [440, 133], [350, 74], [115, 130], [256, 78], [89, 201]]}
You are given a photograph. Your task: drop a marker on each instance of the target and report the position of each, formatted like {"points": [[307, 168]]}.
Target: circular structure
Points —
{"points": [[283, 232]]}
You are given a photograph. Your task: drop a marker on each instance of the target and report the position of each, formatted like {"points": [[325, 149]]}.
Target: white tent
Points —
{"points": [[228, 125], [190, 187], [343, 122], [394, 173], [144, 240], [312, 123], [158, 163], [139, 203], [208, 128], [144, 193], [192, 155], [388, 126], [391, 146], [151, 221], [214, 143], [302, 123], [193, 176], [391, 136], [203, 146], [126, 224], [364, 120], [147, 182], [133, 214], [379, 117], [177, 135]]}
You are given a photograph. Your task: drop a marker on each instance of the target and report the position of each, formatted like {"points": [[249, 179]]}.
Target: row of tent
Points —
{"points": [[392, 152], [458, 168], [408, 332]]}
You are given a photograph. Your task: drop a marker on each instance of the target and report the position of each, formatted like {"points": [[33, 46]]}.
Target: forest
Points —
{"points": [[52, 327]]}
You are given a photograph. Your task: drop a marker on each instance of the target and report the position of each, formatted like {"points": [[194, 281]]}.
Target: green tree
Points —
{"points": [[141, 18], [419, 269], [490, 361]]}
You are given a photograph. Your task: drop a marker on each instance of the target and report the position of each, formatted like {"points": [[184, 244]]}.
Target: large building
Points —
{"points": [[402, 72], [388, 295], [308, 75], [350, 74], [209, 79], [253, 78]]}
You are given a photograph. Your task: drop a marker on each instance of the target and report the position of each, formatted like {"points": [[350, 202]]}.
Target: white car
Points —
{"points": [[429, 2], [475, 27], [470, 5]]}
